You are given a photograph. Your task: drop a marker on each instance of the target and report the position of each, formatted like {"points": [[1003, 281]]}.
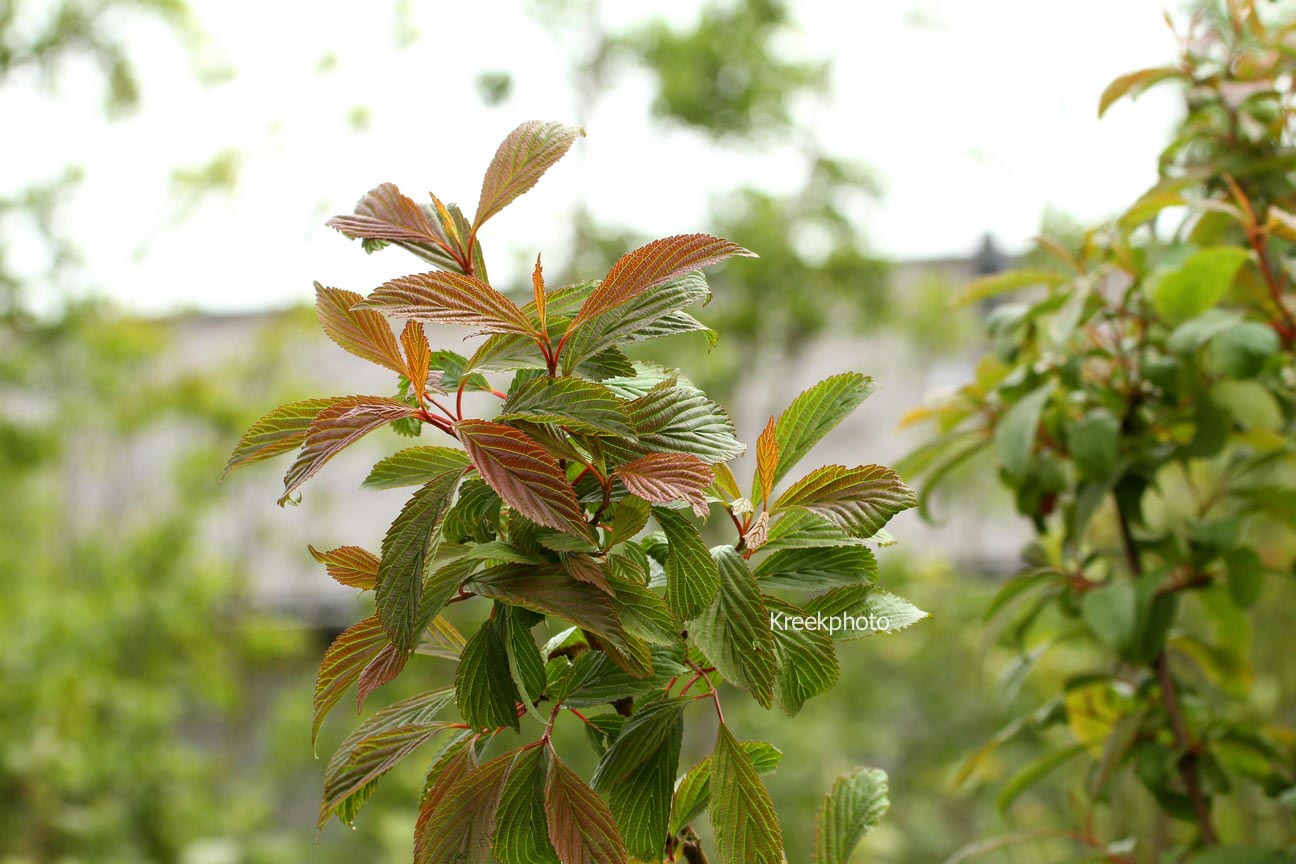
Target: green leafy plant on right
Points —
{"points": [[1139, 404]]}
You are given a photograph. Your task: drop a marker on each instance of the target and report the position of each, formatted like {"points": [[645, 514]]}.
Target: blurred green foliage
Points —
{"points": [[723, 75], [1138, 401], [150, 715], [123, 637]]}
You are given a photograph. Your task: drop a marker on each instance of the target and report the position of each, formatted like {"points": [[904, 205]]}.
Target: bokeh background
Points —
{"points": [[167, 168]]}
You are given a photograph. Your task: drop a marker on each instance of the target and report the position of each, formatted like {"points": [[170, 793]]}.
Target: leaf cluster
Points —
{"points": [[576, 510]]}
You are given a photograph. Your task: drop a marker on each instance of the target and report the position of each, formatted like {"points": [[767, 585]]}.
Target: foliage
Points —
{"points": [[121, 626], [1139, 405], [542, 517], [721, 76]]}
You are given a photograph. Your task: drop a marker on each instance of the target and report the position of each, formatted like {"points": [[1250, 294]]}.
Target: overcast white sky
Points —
{"points": [[975, 116]]}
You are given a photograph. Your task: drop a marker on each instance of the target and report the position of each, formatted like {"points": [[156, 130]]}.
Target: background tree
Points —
{"points": [[1139, 405]]}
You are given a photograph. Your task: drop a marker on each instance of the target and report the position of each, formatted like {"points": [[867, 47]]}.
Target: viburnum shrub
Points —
{"points": [[1140, 406], [540, 515]]}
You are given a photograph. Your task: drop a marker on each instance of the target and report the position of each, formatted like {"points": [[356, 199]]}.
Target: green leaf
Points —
{"points": [[441, 639], [524, 475], [680, 419], [814, 569], [522, 836], [801, 529], [499, 552], [652, 315], [350, 654], [595, 678], [475, 514], [637, 774], [1250, 403], [522, 158], [812, 415], [1111, 612], [665, 478], [734, 631], [1034, 771], [644, 612], [675, 324], [361, 332], [1196, 332], [1245, 574], [853, 808], [581, 827], [451, 366], [693, 792], [379, 744], [995, 284], [579, 405], [887, 612], [484, 689], [406, 549], [1200, 283], [644, 378], [860, 500], [1015, 432], [629, 517], [552, 591], [349, 565], [1240, 351], [807, 660], [526, 666], [1094, 443], [441, 297], [459, 814], [281, 430], [651, 265], [337, 427], [692, 579], [742, 814], [1133, 83], [415, 466]]}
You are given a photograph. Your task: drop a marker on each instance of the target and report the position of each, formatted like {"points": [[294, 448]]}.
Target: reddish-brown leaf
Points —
{"points": [[663, 478], [651, 265], [385, 666], [458, 816], [526, 154], [551, 590], [453, 766], [758, 534], [586, 568], [541, 298], [581, 827], [361, 332], [350, 565], [450, 298], [524, 475], [336, 427], [344, 661], [418, 355], [385, 214], [767, 460], [447, 222]]}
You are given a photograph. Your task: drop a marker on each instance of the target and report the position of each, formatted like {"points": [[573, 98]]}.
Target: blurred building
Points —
{"points": [[977, 534]]}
